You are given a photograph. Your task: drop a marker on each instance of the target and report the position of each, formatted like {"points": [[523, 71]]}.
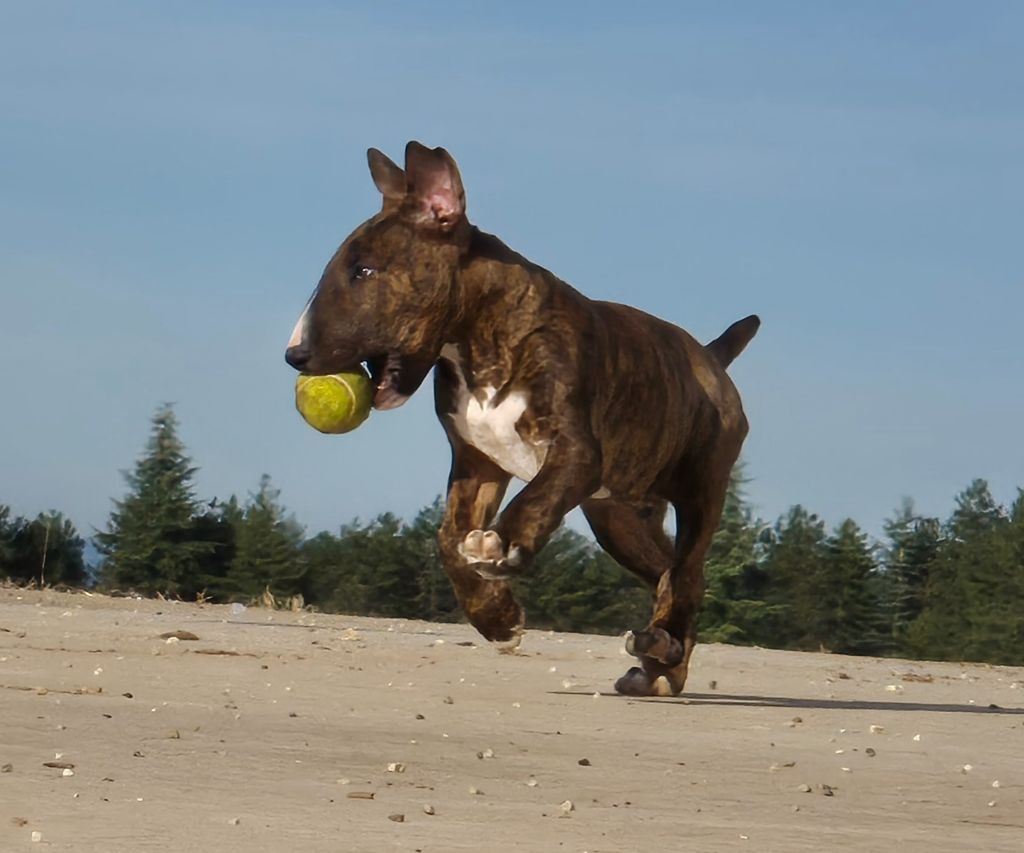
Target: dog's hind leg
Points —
{"points": [[665, 646], [475, 489], [633, 534]]}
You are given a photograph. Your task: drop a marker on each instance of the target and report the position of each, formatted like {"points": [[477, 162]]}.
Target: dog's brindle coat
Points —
{"points": [[594, 404]]}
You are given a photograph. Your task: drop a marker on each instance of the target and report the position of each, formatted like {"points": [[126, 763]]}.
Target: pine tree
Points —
{"points": [[266, 546], [735, 610], [216, 525], [46, 550], [794, 566], [574, 586], [853, 619], [967, 613], [1013, 585], [150, 543], [7, 528], [436, 600], [913, 546]]}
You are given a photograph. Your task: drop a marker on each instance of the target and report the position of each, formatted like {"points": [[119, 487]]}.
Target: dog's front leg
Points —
{"points": [[475, 489], [570, 474]]}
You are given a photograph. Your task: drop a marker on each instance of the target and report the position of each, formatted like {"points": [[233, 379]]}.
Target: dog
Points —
{"points": [[592, 404]]}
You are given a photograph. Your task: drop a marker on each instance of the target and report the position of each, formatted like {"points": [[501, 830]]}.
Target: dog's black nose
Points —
{"points": [[297, 356]]}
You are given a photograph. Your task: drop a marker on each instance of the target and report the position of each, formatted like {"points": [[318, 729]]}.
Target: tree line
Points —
{"points": [[935, 588]]}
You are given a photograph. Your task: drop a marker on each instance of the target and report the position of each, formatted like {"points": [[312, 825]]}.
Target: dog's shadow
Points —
{"points": [[727, 700]]}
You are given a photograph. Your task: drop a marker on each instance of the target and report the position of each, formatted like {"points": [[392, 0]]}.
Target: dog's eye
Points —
{"points": [[362, 271]]}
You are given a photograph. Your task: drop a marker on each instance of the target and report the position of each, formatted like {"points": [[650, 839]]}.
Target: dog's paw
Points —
{"points": [[655, 643], [486, 552], [637, 682], [482, 546]]}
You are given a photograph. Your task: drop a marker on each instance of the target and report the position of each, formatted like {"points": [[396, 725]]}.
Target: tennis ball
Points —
{"points": [[335, 403]]}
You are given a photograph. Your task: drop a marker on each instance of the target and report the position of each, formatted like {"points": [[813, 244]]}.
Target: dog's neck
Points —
{"points": [[498, 292]]}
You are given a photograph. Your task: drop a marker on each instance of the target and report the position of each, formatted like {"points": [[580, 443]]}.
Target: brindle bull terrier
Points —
{"points": [[592, 404]]}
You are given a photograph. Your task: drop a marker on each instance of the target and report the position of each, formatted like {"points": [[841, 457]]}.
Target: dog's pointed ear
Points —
{"points": [[434, 194], [387, 176]]}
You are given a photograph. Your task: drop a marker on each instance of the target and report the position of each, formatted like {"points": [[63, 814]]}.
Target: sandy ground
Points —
{"points": [[259, 735]]}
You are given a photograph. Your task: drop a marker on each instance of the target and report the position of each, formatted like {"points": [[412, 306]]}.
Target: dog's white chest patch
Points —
{"points": [[491, 429]]}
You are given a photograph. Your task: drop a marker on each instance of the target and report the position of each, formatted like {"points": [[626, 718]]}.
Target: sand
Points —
{"points": [[271, 731]]}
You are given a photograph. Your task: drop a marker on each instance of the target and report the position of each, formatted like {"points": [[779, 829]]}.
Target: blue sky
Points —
{"points": [[173, 178]]}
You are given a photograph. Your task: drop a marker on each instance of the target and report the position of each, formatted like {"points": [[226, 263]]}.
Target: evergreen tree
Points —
{"points": [[574, 586], [436, 600], [150, 542], [1013, 585], [6, 535], [47, 551], [794, 566], [735, 609], [381, 569], [325, 561], [913, 545], [266, 546], [853, 619], [216, 525], [971, 607]]}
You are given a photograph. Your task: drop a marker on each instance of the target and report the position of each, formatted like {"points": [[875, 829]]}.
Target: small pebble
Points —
{"points": [[487, 753], [804, 789], [67, 771], [991, 803], [7, 768], [917, 737], [428, 809], [37, 835], [397, 818], [396, 767], [870, 752], [448, 700], [567, 807], [995, 784], [967, 768], [476, 792], [234, 821], [876, 730], [532, 783], [584, 762]]}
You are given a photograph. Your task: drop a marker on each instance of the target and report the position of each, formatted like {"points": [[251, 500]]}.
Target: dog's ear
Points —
{"points": [[387, 176], [434, 194]]}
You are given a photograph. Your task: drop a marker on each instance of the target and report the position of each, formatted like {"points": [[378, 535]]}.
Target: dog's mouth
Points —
{"points": [[386, 373]]}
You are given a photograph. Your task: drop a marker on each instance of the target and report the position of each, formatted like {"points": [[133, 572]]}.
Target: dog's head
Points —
{"points": [[388, 297]]}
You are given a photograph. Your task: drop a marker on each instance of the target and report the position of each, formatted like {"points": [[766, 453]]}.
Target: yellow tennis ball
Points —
{"points": [[335, 403]]}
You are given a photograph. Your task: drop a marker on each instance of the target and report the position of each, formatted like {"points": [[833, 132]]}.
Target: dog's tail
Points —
{"points": [[733, 340]]}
